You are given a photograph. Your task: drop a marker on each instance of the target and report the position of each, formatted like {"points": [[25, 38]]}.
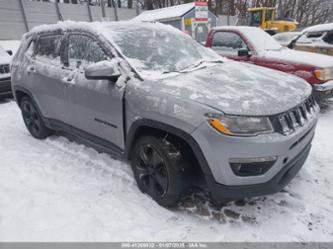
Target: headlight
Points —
{"points": [[324, 74], [240, 125]]}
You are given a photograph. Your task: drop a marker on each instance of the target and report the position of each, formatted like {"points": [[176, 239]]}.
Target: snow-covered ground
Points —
{"points": [[57, 190]]}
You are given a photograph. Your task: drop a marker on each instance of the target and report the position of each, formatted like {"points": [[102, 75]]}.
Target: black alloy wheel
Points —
{"points": [[158, 169], [152, 171], [33, 120]]}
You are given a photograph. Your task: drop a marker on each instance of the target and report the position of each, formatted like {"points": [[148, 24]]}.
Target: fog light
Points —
{"points": [[251, 166]]}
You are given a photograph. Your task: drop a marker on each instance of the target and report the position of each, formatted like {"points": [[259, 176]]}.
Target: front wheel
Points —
{"points": [[32, 119], [158, 169]]}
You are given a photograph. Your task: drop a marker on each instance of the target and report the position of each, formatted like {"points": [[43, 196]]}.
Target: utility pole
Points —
{"points": [[102, 8], [137, 10], [115, 9]]}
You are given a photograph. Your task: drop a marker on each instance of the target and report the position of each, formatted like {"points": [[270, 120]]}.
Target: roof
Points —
{"points": [[94, 27], [165, 13], [240, 28], [319, 28]]}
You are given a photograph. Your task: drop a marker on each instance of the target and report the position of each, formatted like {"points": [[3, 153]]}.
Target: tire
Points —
{"points": [[33, 120], [158, 170]]}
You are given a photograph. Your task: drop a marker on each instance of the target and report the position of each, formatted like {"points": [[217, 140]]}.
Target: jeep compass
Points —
{"points": [[184, 117]]}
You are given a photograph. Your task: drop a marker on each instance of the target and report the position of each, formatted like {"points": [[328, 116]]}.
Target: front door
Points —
{"points": [[98, 104]]}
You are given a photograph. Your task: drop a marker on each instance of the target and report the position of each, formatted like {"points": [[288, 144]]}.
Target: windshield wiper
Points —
{"points": [[197, 64], [193, 66], [172, 71]]}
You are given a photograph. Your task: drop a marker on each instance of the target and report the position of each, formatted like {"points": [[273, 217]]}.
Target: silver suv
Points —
{"points": [[185, 118]]}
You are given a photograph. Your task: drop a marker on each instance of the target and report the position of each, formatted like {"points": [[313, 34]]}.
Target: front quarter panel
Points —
{"points": [[144, 100]]}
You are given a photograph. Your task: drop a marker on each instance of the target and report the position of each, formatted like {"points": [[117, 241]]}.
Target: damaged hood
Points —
{"points": [[237, 88]]}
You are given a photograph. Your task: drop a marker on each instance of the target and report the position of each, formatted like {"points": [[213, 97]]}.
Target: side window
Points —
{"points": [[83, 50], [269, 15], [329, 38], [48, 49], [227, 41], [314, 35], [310, 37], [256, 17]]}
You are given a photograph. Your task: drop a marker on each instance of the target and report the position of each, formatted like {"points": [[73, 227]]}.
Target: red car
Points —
{"points": [[253, 45]]}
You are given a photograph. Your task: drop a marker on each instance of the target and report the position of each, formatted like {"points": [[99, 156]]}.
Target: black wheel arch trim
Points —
{"points": [[28, 93], [140, 123]]}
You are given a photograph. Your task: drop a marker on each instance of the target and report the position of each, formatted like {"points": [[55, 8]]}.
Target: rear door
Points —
{"points": [[98, 104], [228, 43], [46, 76]]}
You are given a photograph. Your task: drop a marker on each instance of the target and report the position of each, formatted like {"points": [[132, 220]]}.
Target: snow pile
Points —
{"points": [[165, 13], [56, 190], [319, 28]]}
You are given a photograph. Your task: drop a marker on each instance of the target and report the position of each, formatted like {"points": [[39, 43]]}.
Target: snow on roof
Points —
{"points": [[100, 27], [234, 28], [165, 13], [319, 28]]}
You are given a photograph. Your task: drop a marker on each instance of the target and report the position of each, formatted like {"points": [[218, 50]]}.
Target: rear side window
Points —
{"points": [[314, 35], [228, 41], [48, 49], [83, 50], [329, 38]]}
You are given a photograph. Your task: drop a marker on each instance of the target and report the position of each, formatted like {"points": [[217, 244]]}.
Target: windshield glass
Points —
{"points": [[261, 40], [158, 48]]}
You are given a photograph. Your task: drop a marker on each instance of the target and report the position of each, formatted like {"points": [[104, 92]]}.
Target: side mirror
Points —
{"points": [[103, 70], [244, 52], [10, 52]]}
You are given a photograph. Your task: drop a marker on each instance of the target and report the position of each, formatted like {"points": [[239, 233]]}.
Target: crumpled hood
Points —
{"points": [[238, 88], [300, 57]]}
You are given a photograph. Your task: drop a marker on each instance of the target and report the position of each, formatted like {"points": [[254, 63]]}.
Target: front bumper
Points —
{"points": [[290, 150], [5, 88], [276, 184], [323, 91]]}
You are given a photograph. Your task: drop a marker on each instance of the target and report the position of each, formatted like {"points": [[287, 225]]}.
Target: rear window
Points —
{"points": [[48, 48]]}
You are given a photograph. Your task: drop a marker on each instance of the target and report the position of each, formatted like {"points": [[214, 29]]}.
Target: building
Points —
{"points": [[193, 18]]}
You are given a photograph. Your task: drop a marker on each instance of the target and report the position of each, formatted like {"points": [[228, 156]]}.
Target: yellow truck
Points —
{"points": [[265, 18]]}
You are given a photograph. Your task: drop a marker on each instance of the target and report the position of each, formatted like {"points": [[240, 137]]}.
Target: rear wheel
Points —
{"points": [[32, 119], [158, 169]]}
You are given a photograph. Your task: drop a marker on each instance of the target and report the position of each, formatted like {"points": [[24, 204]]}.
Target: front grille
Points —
{"points": [[297, 117], [4, 69]]}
